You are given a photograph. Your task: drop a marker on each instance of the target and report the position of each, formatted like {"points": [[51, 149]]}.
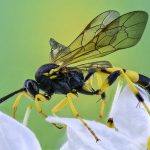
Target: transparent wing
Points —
{"points": [[94, 65], [122, 32], [92, 29], [56, 48]]}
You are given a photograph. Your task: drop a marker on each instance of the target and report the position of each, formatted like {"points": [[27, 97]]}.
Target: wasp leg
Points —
{"points": [[136, 92], [16, 103], [38, 98], [102, 106], [148, 143], [70, 96], [39, 109], [89, 81], [59, 106], [98, 78], [110, 123], [97, 75], [114, 74], [108, 82], [68, 99], [103, 96]]}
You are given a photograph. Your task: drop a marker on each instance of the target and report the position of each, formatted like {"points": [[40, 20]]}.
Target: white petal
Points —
{"points": [[79, 138], [131, 120], [65, 147], [15, 136]]}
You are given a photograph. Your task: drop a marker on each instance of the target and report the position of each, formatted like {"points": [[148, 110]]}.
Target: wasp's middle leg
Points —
{"points": [[100, 84], [69, 99], [77, 115], [16, 103], [108, 82]]}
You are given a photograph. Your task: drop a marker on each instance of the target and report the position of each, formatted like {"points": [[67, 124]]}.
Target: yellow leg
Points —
{"points": [[16, 103], [103, 86], [102, 103], [102, 109], [98, 78], [110, 124], [70, 96], [59, 106], [148, 143], [89, 83], [114, 74], [38, 98], [136, 92], [130, 77]]}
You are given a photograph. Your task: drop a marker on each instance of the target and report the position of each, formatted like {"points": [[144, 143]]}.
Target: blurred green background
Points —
{"points": [[25, 29]]}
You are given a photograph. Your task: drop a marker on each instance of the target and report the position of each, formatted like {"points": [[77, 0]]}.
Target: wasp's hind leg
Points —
{"points": [[114, 74], [130, 77], [136, 92]]}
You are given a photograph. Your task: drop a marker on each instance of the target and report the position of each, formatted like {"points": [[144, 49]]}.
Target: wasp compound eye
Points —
{"points": [[32, 87]]}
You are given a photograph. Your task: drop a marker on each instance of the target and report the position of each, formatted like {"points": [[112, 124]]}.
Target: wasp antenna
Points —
{"points": [[11, 94]]}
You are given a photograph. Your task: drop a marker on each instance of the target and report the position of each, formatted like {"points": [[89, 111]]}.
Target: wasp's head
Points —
{"points": [[31, 87]]}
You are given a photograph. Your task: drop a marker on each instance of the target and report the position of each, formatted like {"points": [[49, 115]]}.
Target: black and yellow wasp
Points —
{"points": [[105, 34]]}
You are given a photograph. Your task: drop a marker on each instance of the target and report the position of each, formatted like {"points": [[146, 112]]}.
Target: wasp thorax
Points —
{"points": [[45, 70], [32, 87]]}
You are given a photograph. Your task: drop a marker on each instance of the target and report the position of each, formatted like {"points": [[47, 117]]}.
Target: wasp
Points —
{"points": [[64, 74]]}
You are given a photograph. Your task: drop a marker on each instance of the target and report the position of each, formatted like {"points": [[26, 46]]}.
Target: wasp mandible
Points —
{"points": [[105, 34]]}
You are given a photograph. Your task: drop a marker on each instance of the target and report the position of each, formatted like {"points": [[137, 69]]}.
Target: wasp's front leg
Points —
{"points": [[17, 101], [37, 98]]}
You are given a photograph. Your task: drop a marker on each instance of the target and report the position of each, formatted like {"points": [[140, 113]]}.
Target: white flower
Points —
{"points": [[133, 124], [15, 136]]}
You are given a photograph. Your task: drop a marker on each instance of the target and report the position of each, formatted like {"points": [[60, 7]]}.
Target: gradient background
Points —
{"points": [[25, 29]]}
